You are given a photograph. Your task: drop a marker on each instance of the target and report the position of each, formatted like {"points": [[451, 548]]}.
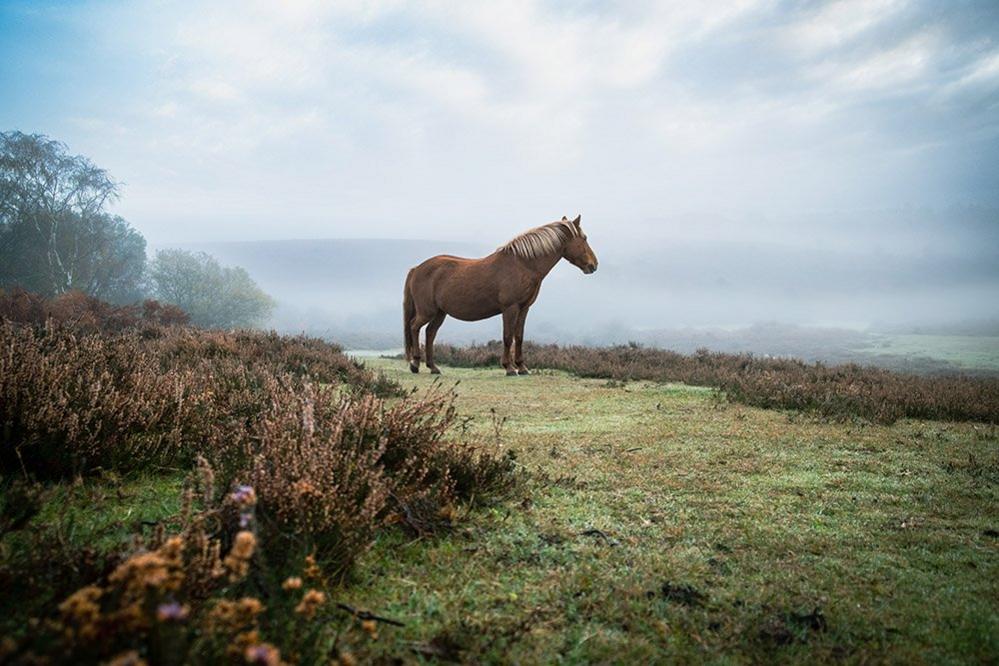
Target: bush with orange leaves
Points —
{"points": [[86, 312]]}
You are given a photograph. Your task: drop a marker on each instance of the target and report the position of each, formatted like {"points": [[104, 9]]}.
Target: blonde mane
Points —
{"points": [[541, 241]]}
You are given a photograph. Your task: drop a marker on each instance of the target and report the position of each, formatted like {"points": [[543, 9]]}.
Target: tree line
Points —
{"points": [[57, 235]]}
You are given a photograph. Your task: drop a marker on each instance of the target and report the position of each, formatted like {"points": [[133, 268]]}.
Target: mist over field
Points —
{"points": [[905, 270], [777, 166]]}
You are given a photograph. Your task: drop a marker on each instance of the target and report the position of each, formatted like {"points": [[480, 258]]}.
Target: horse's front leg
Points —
{"points": [[518, 341], [510, 316]]}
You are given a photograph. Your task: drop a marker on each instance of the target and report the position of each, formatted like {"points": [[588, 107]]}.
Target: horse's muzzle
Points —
{"points": [[590, 268]]}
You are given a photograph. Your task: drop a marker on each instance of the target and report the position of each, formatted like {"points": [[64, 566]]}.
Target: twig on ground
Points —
{"points": [[600, 533], [367, 615]]}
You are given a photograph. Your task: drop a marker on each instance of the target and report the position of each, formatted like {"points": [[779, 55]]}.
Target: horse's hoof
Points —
{"points": [[523, 371], [435, 370], [511, 373], [414, 368]]}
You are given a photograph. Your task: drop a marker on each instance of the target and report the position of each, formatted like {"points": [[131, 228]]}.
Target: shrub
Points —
{"points": [[300, 356], [331, 468], [72, 403], [252, 573], [202, 595], [332, 459], [84, 312], [839, 391]]}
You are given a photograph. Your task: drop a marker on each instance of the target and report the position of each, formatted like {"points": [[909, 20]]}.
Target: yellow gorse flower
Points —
{"points": [[311, 601], [237, 562], [82, 611], [232, 616]]}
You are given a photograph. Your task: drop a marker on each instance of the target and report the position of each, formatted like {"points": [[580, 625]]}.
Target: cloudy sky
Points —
{"points": [[297, 119]]}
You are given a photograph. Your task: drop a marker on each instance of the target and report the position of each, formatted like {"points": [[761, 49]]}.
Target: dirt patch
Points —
{"points": [[685, 595], [786, 627]]}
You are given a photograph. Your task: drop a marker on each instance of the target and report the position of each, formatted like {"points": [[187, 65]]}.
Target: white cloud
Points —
{"points": [[836, 23], [353, 109], [887, 70]]}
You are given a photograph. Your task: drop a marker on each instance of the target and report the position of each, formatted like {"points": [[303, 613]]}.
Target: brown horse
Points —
{"points": [[506, 282]]}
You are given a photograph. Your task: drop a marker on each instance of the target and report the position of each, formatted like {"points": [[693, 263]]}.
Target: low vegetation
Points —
{"points": [[839, 391], [663, 524], [176, 495], [106, 387], [293, 460]]}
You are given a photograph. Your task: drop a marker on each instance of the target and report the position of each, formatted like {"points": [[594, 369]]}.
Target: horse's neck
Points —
{"points": [[541, 266]]}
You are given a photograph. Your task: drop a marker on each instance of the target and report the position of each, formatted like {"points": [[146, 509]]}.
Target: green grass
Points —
{"points": [[965, 351], [660, 523], [726, 533], [80, 525]]}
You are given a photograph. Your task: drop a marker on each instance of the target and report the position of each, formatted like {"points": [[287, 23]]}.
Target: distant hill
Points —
{"points": [[288, 266], [681, 294]]}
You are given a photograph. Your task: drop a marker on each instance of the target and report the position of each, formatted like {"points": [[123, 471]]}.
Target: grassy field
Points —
{"points": [[968, 352], [660, 523]]}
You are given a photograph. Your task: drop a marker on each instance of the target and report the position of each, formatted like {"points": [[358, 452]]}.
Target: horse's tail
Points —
{"points": [[408, 314]]}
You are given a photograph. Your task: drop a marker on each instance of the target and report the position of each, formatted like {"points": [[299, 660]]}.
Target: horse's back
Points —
{"points": [[443, 265], [462, 287], [444, 260]]}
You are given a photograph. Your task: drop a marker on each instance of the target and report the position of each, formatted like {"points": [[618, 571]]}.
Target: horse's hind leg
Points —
{"points": [[414, 328], [432, 327]]}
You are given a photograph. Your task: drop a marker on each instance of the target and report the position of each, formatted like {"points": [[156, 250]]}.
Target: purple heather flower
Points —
{"points": [[262, 654], [244, 519], [171, 611], [244, 495]]}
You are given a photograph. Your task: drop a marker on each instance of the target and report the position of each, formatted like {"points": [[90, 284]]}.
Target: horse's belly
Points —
{"points": [[470, 312]]}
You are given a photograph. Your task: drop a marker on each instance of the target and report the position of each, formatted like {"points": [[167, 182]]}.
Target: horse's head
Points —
{"points": [[577, 250]]}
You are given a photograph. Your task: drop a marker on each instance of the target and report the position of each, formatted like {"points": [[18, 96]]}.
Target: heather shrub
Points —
{"points": [[318, 476], [70, 403], [330, 468], [839, 391], [86, 313], [300, 356], [331, 465], [299, 461], [200, 595], [250, 573], [74, 400]]}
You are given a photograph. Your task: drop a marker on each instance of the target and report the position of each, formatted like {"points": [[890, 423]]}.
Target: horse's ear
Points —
{"points": [[565, 219], [576, 221]]}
